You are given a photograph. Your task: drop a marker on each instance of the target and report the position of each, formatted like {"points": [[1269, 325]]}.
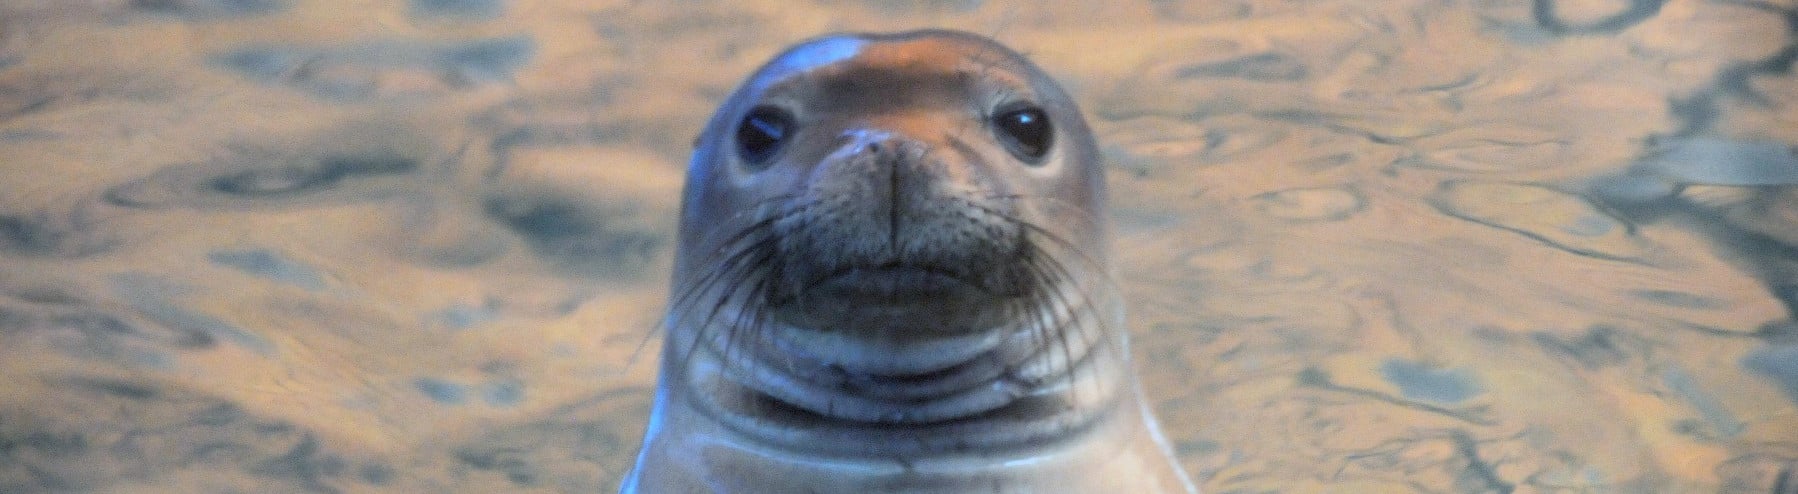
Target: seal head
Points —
{"points": [[892, 261]]}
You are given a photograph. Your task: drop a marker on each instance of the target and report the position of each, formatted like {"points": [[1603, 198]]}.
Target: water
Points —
{"points": [[415, 246]]}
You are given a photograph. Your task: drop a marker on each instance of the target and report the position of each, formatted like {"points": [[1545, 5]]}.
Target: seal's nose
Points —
{"points": [[875, 144], [892, 168]]}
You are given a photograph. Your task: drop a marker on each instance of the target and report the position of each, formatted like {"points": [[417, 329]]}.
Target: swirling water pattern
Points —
{"points": [[420, 245]]}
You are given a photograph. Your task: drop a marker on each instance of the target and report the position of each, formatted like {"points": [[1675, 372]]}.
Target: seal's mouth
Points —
{"points": [[895, 301], [898, 284]]}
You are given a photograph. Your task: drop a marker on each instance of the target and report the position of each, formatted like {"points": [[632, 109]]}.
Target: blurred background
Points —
{"points": [[1415, 246]]}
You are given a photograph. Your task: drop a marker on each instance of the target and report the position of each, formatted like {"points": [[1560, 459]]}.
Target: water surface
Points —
{"points": [[419, 246]]}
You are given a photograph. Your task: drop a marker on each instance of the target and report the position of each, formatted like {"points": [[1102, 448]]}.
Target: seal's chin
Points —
{"points": [[919, 360]]}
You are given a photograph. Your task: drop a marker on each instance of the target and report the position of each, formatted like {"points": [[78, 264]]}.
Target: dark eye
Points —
{"points": [[1025, 132], [761, 133]]}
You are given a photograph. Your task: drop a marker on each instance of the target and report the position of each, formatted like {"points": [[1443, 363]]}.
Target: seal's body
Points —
{"points": [[892, 276]]}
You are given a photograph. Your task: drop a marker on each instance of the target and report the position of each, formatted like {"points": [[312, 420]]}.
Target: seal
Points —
{"points": [[892, 276]]}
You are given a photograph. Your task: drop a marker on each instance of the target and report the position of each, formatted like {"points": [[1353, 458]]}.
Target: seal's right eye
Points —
{"points": [[761, 133]]}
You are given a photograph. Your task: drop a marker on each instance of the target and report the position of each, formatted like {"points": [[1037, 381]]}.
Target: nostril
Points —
{"points": [[874, 147]]}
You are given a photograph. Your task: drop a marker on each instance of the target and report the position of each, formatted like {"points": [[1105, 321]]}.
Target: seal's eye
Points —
{"points": [[761, 133], [1025, 131]]}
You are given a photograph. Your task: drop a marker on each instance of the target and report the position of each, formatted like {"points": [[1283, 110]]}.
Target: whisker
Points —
{"points": [[1038, 231], [743, 264], [705, 325], [728, 257]]}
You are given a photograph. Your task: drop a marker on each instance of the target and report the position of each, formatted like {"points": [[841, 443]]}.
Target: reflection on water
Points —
{"points": [[416, 246]]}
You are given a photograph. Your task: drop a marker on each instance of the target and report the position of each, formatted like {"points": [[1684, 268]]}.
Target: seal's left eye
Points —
{"points": [[1025, 132], [761, 134]]}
